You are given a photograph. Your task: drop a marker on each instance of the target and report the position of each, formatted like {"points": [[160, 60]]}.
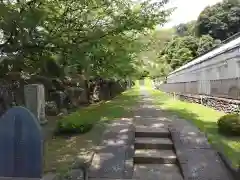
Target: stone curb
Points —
{"points": [[170, 129], [234, 171]]}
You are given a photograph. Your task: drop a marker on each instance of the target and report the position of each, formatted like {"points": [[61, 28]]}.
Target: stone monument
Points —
{"points": [[21, 145], [35, 101]]}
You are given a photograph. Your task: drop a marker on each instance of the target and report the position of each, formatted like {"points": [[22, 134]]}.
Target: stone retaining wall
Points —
{"points": [[220, 104], [235, 171]]}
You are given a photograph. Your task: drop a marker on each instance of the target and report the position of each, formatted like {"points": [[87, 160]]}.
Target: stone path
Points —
{"points": [[194, 159], [197, 160], [113, 159]]}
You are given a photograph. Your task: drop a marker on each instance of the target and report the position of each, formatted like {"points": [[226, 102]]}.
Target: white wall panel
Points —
{"points": [[222, 66]]}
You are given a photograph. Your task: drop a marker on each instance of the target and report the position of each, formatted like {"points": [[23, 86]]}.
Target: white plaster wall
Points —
{"points": [[223, 66]]}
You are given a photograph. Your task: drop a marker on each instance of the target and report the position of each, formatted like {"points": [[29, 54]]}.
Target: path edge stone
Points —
{"points": [[234, 171]]}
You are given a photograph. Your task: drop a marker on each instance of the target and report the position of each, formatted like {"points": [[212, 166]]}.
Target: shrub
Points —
{"points": [[73, 124], [229, 124]]}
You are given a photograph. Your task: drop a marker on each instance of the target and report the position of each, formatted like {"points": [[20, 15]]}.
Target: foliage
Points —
{"points": [[206, 43], [180, 50], [144, 74], [72, 124], [149, 58], [166, 50], [229, 124], [187, 29], [83, 120], [96, 37], [220, 21], [194, 38]]}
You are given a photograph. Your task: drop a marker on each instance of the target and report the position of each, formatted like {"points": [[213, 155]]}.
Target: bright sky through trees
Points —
{"points": [[187, 10]]}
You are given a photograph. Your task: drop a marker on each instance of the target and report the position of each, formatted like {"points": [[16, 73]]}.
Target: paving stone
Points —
{"points": [[190, 141], [153, 143], [185, 128], [152, 124], [128, 168], [204, 155], [108, 163], [202, 164], [156, 172], [118, 133], [154, 156], [109, 159]]}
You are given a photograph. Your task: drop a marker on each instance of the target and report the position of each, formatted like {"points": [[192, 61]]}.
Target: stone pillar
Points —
{"points": [[35, 101], [85, 96]]}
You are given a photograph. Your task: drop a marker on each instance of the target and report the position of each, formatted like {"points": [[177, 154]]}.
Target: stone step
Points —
{"points": [[142, 131], [154, 156], [107, 179], [157, 172], [153, 143]]}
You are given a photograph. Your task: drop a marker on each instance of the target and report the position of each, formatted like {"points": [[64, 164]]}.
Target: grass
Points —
{"points": [[205, 119], [148, 82], [60, 152]]}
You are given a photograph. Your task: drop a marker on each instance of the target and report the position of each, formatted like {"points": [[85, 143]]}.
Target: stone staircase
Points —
{"points": [[154, 156]]}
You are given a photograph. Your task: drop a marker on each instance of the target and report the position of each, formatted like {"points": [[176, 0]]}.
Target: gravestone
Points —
{"points": [[62, 101], [35, 101], [21, 144]]}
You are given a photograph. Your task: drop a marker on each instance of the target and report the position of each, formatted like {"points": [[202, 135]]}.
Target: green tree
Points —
{"points": [[180, 50], [96, 37], [186, 29], [206, 43], [220, 20], [149, 56]]}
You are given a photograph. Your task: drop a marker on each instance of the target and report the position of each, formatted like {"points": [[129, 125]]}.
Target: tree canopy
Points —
{"points": [[95, 37], [192, 39], [220, 21], [186, 29], [106, 38]]}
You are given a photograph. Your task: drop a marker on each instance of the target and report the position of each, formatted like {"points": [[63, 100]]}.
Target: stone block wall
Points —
{"points": [[220, 104]]}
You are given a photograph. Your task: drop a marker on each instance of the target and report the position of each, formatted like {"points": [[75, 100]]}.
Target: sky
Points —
{"points": [[187, 10]]}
